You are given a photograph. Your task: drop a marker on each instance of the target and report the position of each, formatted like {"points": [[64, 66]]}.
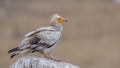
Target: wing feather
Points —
{"points": [[36, 40], [31, 33], [39, 30]]}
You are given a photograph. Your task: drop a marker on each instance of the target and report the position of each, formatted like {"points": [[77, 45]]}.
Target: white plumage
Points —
{"points": [[42, 40]]}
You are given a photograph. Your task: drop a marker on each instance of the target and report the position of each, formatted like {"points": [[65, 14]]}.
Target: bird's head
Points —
{"points": [[58, 19]]}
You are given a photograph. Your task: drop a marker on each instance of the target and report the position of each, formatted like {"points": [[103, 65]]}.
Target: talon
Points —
{"points": [[55, 59]]}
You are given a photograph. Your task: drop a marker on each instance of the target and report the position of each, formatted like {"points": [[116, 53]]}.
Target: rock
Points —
{"points": [[38, 62]]}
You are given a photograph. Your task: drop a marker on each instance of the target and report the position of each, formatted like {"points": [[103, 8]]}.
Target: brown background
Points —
{"points": [[91, 38]]}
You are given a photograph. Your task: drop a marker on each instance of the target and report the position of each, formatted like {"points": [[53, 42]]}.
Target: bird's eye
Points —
{"points": [[60, 20]]}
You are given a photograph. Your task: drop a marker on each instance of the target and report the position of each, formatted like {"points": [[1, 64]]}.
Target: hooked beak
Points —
{"points": [[66, 20]]}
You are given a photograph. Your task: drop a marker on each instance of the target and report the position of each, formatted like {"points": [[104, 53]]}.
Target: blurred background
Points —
{"points": [[91, 38]]}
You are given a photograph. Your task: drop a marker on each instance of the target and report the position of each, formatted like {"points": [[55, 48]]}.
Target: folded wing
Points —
{"points": [[35, 40]]}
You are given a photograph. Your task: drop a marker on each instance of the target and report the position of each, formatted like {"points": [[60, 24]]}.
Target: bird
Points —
{"points": [[43, 40]]}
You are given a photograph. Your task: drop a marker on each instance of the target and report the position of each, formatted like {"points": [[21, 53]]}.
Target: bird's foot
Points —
{"points": [[55, 59], [51, 57]]}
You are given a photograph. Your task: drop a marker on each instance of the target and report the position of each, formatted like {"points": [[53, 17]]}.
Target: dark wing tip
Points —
{"points": [[12, 56], [12, 50], [35, 40]]}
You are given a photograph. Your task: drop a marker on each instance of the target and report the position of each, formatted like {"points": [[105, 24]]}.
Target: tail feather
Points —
{"points": [[13, 56], [17, 50], [13, 50]]}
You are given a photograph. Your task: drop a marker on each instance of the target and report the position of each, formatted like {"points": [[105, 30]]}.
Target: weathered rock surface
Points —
{"points": [[38, 62]]}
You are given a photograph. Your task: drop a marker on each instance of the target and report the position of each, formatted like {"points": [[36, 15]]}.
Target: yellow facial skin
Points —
{"points": [[60, 20]]}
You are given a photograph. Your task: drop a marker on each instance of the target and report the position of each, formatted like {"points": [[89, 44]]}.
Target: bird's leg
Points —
{"points": [[51, 57], [45, 55], [41, 53]]}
